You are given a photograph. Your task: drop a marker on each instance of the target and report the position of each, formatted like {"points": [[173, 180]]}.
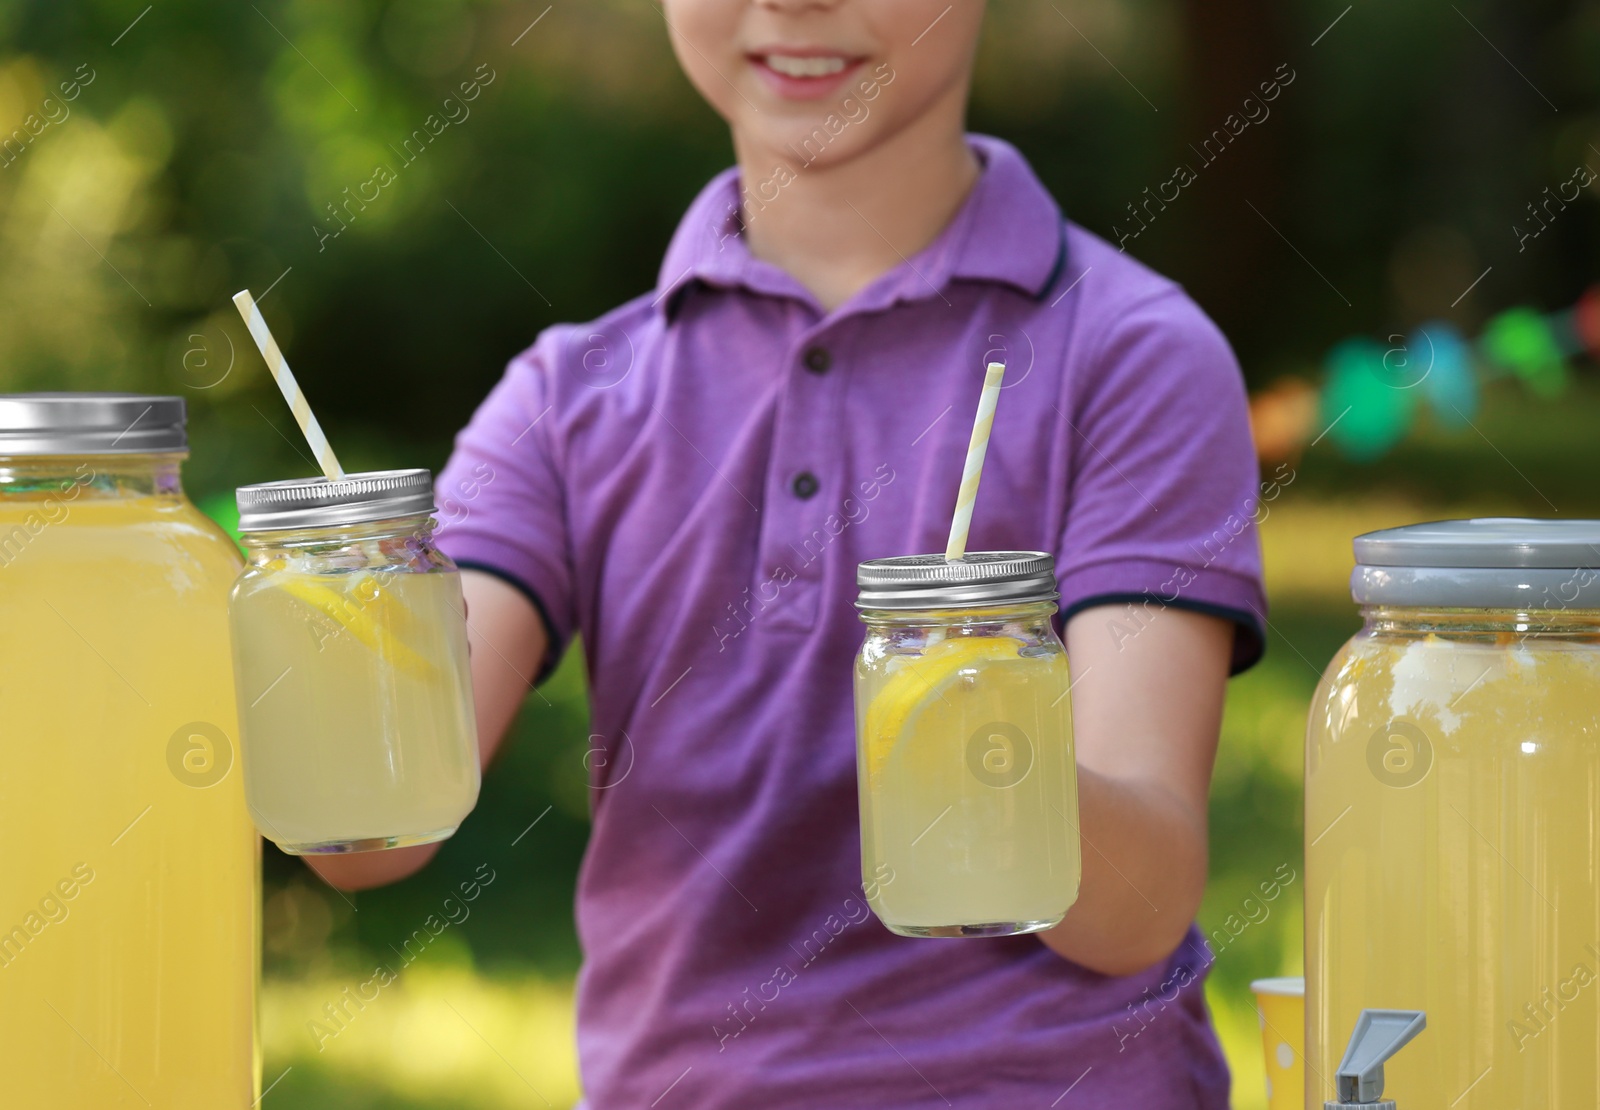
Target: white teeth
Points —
{"points": [[791, 66]]}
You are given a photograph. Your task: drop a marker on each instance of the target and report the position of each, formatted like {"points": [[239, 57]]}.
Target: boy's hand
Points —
{"points": [[363, 870], [1146, 714]]}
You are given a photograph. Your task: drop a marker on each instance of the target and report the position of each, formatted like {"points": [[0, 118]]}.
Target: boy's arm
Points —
{"points": [[1146, 714], [508, 641]]}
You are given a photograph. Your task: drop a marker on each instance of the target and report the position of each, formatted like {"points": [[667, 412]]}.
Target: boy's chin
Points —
{"points": [[817, 143]]}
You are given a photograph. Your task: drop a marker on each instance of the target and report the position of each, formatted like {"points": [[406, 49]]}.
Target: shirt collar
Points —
{"points": [[1008, 231]]}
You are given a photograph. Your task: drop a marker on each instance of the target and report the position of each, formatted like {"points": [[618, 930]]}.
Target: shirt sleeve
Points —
{"points": [[1165, 494], [501, 503]]}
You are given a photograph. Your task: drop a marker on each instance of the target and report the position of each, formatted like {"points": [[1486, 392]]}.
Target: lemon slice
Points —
{"points": [[919, 684], [373, 615]]}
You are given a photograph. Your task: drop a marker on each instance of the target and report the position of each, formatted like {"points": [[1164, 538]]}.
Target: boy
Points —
{"points": [[689, 483]]}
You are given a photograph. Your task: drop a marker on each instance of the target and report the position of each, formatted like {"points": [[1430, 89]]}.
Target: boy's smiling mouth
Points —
{"points": [[803, 73], [791, 66]]}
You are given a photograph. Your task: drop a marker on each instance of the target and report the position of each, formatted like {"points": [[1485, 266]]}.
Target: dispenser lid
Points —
{"points": [[1483, 563], [1494, 541], [35, 424]]}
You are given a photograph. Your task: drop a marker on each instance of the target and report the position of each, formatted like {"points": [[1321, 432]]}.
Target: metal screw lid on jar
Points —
{"points": [[319, 503], [934, 582], [1486, 563], [90, 424]]}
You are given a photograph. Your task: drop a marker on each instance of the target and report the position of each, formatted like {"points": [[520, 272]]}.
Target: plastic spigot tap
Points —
{"points": [[1378, 1035]]}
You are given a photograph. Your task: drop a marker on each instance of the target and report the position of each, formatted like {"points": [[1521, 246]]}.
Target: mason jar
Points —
{"points": [[965, 766], [130, 894], [350, 651], [1452, 787]]}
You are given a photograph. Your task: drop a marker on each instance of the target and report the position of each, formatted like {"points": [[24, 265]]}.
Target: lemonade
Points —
{"points": [[128, 903], [1453, 783], [350, 653], [966, 774], [354, 710]]}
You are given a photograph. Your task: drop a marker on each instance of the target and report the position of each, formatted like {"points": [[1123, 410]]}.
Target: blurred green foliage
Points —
{"points": [[222, 146], [209, 147]]}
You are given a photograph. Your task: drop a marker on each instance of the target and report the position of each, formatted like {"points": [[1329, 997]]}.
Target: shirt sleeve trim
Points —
{"points": [[554, 648], [1249, 638]]}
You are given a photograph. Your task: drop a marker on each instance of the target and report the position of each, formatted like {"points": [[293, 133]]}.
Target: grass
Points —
{"points": [[443, 1038]]}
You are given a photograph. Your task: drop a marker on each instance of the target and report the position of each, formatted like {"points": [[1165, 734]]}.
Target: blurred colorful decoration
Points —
{"points": [[1279, 416], [1585, 322], [1365, 409], [1371, 395], [224, 512], [1524, 342], [1451, 384]]}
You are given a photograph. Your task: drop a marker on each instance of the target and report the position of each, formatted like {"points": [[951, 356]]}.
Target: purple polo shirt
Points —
{"points": [[689, 483]]}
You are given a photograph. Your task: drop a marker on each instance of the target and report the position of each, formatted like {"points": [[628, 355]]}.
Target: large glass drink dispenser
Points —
{"points": [[1453, 816], [128, 894]]}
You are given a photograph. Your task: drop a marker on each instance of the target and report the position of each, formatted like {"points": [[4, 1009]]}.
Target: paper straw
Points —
{"points": [[291, 388], [974, 468]]}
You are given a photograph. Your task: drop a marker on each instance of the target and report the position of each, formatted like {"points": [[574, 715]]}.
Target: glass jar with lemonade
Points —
{"points": [[965, 767], [1452, 788], [350, 651], [130, 890]]}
